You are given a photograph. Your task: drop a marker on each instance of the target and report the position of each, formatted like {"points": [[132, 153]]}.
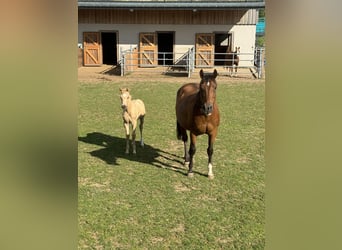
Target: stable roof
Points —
{"points": [[173, 4]]}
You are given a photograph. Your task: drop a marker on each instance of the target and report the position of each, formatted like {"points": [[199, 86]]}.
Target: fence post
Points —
{"points": [[130, 58], [192, 59], [260, 61], [122, 62], [257, 61], [188, 63]]}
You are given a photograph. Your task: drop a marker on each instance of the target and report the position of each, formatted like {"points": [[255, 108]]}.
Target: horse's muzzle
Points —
{"points": [[207, 109]]}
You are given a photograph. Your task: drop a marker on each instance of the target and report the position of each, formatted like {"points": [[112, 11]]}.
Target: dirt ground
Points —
{"points": [[108, 73]]}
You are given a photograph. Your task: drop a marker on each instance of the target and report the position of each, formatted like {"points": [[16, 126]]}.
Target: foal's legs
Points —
{"points": [[141, 126], [134, 127], [126, 125]]}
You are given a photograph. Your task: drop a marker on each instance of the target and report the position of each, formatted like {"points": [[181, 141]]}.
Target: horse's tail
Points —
{"points": [[179, 132]]}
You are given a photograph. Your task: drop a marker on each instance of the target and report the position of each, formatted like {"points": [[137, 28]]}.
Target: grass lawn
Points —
{"points": [[146, 201]]}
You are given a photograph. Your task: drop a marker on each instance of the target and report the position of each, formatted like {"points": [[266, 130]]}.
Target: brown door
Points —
{"points": [[205, 50], [91, 45], [148, 56]]}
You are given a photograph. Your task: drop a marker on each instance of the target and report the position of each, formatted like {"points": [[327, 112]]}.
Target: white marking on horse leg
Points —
{"points": [[208, 83], [141, 142], [210, 171]]}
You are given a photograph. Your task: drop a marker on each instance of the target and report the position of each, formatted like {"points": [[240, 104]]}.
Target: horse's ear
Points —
{"points": [[215, 73], [121, 90], [201, 73]]}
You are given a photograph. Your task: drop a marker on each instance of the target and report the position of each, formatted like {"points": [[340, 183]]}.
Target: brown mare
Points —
{"points": [[132, 110], [232, 60], [197, 111]]}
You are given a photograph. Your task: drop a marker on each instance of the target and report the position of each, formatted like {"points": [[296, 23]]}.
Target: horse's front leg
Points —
{"points": [[210, 151], [192, 152], [134, 125], [126, 125]]}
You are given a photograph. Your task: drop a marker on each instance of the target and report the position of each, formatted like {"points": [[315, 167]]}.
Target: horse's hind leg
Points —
{"points": [[182, 135], [192, 152], [141, 127]]}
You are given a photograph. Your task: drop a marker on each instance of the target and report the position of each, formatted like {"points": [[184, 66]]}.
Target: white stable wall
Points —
{"points": [[128, 36]]}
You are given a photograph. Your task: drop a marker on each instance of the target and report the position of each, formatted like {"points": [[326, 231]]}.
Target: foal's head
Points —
{"points": [[125, 97], [207, 92]]}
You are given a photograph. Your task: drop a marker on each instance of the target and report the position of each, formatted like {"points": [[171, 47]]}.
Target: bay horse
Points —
{"points": [[132, 111], [232, 60], [197, 111]]}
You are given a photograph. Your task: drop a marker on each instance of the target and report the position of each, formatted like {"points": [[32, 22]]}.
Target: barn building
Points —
{"points": [[164, 31]]}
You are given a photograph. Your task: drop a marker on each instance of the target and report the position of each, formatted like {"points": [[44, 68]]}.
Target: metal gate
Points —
{"points": [[254, 62]]}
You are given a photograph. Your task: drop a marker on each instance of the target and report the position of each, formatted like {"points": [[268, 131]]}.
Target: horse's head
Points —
{"points": [[125, 97], [207, 92]]}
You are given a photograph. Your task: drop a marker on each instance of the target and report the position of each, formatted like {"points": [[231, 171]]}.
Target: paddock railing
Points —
{"points": [[185, 63]]}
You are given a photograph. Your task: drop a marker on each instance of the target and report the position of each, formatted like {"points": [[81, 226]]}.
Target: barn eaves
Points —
{"points": [[172, 5]]}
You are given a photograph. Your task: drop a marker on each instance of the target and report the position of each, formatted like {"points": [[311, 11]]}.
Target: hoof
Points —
{"points": [[211, 177], [190, 175]]}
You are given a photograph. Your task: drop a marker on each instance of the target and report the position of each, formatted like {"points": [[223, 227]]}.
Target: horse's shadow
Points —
{"points": [[113, 149]]}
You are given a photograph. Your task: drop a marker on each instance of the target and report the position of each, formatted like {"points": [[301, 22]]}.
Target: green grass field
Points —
{"points": [[146, 201]]}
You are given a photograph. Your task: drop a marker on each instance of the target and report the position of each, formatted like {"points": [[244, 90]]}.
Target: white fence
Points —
{"points": [[165, 62]]}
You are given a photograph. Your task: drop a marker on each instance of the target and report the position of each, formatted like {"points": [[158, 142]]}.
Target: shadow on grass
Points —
{"points": [[113, 149], [113, 71]]}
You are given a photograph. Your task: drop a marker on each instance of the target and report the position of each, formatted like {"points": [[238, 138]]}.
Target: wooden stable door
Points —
{"points": [[91, 48], [205, 50], [148, 48]]}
